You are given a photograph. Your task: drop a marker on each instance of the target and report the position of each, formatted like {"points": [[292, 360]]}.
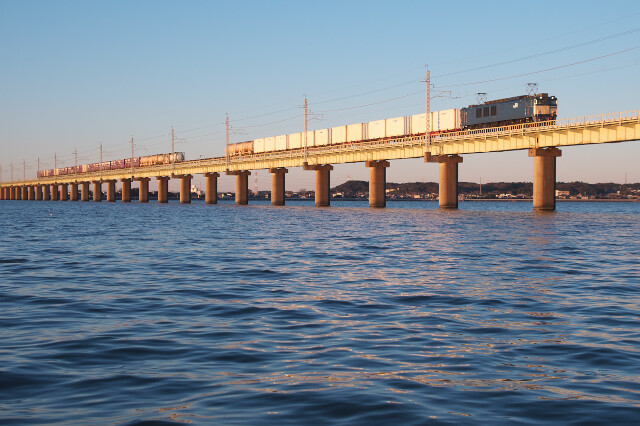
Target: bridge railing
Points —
{"points": [[589, 120]]}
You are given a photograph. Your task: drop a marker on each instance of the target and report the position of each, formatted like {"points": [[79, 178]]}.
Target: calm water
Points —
{"points": [[126, 314]]}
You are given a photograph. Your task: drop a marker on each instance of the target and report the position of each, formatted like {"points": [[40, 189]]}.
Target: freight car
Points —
{"points": [[504, 112], [149, 160]]}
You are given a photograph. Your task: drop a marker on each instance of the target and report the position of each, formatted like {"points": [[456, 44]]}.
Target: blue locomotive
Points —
{"points": [[504, 112]]}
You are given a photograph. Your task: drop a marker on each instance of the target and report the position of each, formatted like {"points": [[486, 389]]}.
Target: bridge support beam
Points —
{"points": [[323, 183], [211, 190], [46, 195], [31, 192], [377, 182], [74, 192], [126, 190], [448, 185], [544, 177], [25, 193], [97, 191], [38, 192], [64, 192], [242, 186], [84, 191], [54, 192], [143, 190], [163, 189], [185, 189], [111, 191], [277, 185]]}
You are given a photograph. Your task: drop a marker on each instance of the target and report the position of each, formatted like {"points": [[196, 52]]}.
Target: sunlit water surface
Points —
{"points": [[127, 313]]}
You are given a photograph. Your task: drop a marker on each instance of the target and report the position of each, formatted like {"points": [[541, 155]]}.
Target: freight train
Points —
{"points": [[149, 160], [501, 112]]}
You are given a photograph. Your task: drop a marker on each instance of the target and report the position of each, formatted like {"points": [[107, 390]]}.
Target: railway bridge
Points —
{"points": [[542, 140]]}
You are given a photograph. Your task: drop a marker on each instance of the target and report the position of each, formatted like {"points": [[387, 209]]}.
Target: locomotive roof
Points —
{"points": [[515, 98]]}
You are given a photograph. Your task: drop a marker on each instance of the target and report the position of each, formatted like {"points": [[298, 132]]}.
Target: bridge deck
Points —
{"points": [[607, 128]]}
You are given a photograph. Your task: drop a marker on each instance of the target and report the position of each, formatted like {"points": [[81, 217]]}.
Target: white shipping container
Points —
{"points": [[397, 126], [295, 141], [356, 132], [270, 144], [322, 137], [311, 139], [447, 119], [418, 123], [377, 129], [338, 134], [258, 145], [281, 142]]}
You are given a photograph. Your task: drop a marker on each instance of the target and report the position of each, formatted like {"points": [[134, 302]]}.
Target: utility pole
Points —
{"points": [[75, 154], [55, 162], [226, 146], [38, 165], [132, 155], [427, 137], [100, 161], [173, 152], [306, 120]]}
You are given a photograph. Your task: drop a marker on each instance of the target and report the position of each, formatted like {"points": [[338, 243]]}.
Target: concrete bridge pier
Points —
{"points": [[38, 192], [544, 177], [242, 186], [211, 190], [31, 193], [97, 191], [126, 190], [163, 189], [143, 190], [74, 192], [18, 193], [111, 191], [46, 194], [277, 185], [185, 189], [448, 185], [377, 182], [64, 192], [84, 191], [323, 183], [54, 192], [25, 193]]}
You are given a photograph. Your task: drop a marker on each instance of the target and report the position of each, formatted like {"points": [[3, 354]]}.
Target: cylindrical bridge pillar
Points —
{"points": [[32, 193], [54, 192], [126, 190], [97, 191], [143, 190], [544, 177], [64, 192], [163, 189], [323, 183], [211, 191], [74, 192], [38, 192], [242, 186], [185, 189], [25, 193], [377, 183], [277, 185], [46, 196], [448, 186], [111, 191], [84, 191]]}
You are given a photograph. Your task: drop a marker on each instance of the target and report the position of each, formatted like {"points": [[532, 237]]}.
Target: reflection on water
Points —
{"points": [[121, 313]]}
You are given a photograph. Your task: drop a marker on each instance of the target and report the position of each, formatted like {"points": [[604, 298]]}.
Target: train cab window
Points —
{"points": [[486, 111], [479, 113], [494, 110]]}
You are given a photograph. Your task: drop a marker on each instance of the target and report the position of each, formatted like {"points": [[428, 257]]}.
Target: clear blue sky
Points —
{"points": [[77, 74]]}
